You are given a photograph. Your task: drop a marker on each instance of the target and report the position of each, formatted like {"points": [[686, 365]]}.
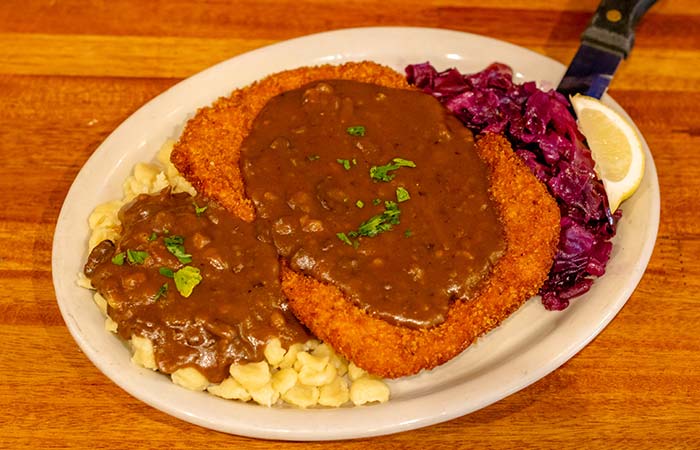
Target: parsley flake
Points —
{"points": [[357, 130], [162, 292], [136, 256], [360, 204], [186, 279], [404, 162], [374, 225], [408, 233], [345, 163], [402, 194], [153, 237], [118, 259], [381, 222], [344, 237], [199, 210], [376, 201], [175, 245], [381, 173], [166, 272]]}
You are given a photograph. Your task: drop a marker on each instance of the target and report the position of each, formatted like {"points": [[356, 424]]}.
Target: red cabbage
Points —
{"points": [[543, 132]]}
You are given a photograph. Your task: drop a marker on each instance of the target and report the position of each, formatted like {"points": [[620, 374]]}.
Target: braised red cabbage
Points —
{"points": [[544, 134]]}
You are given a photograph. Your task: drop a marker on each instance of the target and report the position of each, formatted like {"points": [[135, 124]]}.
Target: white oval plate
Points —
{"points": [[529, 345]]}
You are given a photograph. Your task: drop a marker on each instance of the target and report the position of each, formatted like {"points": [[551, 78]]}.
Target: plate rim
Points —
{"points": [[440, 415]]}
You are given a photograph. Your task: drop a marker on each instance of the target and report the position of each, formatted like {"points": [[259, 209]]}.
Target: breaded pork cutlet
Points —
{"points": [[208, 155]]}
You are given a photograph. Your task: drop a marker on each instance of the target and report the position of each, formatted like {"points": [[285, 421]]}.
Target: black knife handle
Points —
{"points": [[612, 26]]}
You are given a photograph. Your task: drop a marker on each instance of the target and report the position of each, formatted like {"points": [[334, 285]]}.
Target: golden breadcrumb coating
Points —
{"points": [[208, 154]]}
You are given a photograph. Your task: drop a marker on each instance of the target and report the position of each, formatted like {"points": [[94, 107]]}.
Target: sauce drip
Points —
{"points": [[230, 314], [306, 164]]}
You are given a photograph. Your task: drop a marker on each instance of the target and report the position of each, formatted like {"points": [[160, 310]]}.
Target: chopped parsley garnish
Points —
{"points": [[357, 130], [313, 157], [136, 256], [166, 272], [376, 201], [374, 225], [344, 237], [402, 194], [186, 279], [133, 256], [175, 245], [118, 259], [162, 291], [404, 162], [360, 204], [379, 223], [345, 163], [408, 233], [199, 210], [153, 236], [381, 173]]}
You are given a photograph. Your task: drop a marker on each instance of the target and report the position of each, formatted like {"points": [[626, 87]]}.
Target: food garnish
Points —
{"points": [[358, 130], [199, 210], [118, 259], [381, 173], [136, 256], [162, 292], [615, 146], [379, 223], [374, 225], [402, 194], [344, 237], [175, 245], [186, 279], [344, 162]]}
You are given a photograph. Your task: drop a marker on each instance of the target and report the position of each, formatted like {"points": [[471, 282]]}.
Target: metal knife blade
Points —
{"points": [[590, 72], [608, 40]]}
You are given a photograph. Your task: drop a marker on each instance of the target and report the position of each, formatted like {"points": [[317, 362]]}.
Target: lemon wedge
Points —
{"points": [[615, 145]]}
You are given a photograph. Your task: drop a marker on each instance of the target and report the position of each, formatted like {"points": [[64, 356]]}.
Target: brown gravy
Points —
{"points": [[307, 165], [230, 314]]}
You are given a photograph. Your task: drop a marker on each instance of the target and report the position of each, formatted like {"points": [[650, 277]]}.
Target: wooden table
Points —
{"points": [[71, 71]]}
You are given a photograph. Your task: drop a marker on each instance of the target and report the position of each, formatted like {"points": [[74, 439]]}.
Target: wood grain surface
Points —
{"points": [[71, 71]]}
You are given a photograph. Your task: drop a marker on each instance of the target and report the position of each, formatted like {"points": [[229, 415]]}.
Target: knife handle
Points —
{"points": [[612, 26]]}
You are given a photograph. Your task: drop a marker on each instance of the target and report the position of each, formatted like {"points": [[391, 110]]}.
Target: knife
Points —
{"points": [[607, 41]]}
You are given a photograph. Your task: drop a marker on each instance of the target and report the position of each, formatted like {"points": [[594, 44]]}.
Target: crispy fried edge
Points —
{"points": [[530, 218], [208, 154], [208, 151]]}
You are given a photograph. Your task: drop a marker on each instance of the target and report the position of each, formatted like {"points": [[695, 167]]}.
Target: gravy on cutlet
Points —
{"points": [[227, 318], [376, 190]]}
